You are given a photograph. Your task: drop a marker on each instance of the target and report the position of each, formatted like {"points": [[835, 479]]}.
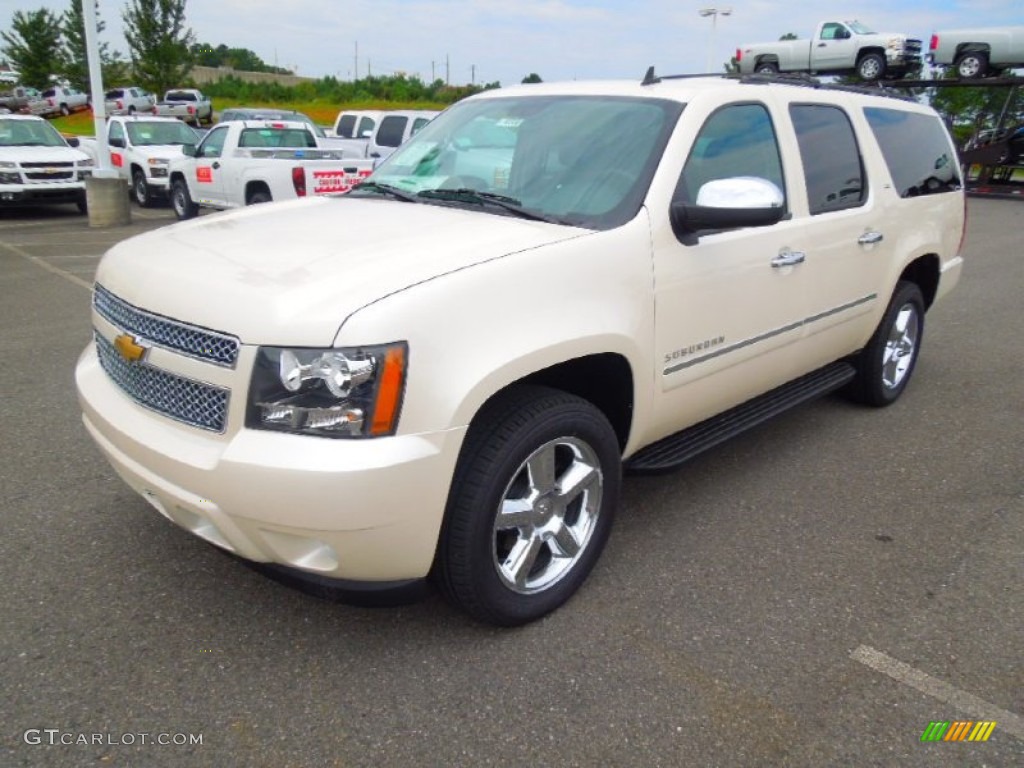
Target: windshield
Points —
{"points": [[148, 134], [29, 133], [579, 160], [859, 28]]}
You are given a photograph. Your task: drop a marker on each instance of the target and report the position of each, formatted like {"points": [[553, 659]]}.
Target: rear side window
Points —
{"points": [[391, 130], [917, 151], [833, 169]]}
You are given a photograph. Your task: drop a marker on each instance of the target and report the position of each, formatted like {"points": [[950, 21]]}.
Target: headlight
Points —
{"points": [[158, 161], [7, 164], [87, 163], [345, 392]]}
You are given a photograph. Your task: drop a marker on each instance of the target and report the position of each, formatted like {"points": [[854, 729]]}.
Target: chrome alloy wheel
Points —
{"points": [[901, 346], [547, 515]]}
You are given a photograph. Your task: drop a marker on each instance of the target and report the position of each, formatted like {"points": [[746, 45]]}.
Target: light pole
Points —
{"points": [[714, 13]]}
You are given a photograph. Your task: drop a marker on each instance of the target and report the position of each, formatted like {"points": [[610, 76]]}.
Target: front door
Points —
{"points": [[729, 304], [208, 179]]}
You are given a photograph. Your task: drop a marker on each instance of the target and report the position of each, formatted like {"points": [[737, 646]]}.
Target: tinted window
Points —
{"points": [[391, 129], [828, 148], [346, 125], [915, 147], [366, 126], [738, 140], [213, 144]]}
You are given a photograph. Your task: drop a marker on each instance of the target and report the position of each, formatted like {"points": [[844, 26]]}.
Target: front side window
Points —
{"points": [[366, 126], [585, 161], [736, 141], [833, 170], [391, 131], [346, 126], [213, 144], [116, 132], [917, 150]]}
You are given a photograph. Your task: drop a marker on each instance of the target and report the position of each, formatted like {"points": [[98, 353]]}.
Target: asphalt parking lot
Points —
{"points": [[814, 593]]}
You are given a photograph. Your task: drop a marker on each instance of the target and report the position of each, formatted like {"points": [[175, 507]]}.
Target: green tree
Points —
{"points": [[34, 46], [159, 42], [76, 67], [533, 77], [789, 36]]}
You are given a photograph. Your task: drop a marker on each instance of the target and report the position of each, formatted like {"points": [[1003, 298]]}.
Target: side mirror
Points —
{"points": [[73, 141], [188, 149], [116, 142], [741, 201]]}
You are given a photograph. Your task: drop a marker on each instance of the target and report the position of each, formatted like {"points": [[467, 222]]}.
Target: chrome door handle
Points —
{"points": [[870, 238], [788, 259]]}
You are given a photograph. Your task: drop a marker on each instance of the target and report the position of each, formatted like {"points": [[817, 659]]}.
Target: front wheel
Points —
{"points": [[972, 64], [140, 189], [885, 365], [871, 67], [531, 505], [181, 201]]}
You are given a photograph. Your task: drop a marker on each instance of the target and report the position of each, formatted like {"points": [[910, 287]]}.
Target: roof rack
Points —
{"points": [[787, 78]]}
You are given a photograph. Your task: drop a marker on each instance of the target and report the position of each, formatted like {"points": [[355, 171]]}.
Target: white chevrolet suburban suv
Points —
{"points": [[444, 372]]}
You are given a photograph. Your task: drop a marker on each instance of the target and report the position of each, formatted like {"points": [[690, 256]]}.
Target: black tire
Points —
{"points": [[140, 189], [64, 110], [558, 535], [181, 201], [83, 204], [131, 110], [258, 197], [871, 67], [767, 68], [972, 65], [885, 365]]}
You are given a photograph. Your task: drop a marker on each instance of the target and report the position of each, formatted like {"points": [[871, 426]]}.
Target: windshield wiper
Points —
{"points": [[506, 203], [387, 189]]}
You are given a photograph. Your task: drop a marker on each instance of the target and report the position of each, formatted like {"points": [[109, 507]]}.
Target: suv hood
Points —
{"points": [[290, 273]]}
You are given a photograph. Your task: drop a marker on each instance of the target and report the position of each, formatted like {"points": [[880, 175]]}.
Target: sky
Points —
{"points": [[484, 41]]}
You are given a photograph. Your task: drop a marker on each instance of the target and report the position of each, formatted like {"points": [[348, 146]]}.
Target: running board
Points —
{"points": [[679, 448]]}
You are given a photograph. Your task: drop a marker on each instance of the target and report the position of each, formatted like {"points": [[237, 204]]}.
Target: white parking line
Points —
{"points": [[48, 267], [964, 702]]}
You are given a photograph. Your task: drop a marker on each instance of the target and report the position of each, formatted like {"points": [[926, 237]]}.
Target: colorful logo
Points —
{"points": [[958, 730]]}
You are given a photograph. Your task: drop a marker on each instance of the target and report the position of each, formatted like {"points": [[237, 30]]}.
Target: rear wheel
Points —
{"points": [[531, 505], [181, 201], [64, 110], [259, 196], [140, 189], [767, 68], [885, 365], [972, 64]]}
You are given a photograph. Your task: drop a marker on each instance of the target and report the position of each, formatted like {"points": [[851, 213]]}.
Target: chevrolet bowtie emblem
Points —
{"points": [[129, 348]]}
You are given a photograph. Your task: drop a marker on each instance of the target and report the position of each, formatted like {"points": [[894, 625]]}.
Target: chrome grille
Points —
{"points": [[190, 402], [48, 165], [191, 340]]}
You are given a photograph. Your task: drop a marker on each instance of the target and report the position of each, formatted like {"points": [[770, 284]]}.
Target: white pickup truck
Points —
{"points": [[38, 166], [979, 51], [257, 161], [141, 150], [837, 47]]}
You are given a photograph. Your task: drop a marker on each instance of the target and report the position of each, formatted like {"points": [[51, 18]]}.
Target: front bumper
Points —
{"points": [[359, 510], [38, 194]]}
